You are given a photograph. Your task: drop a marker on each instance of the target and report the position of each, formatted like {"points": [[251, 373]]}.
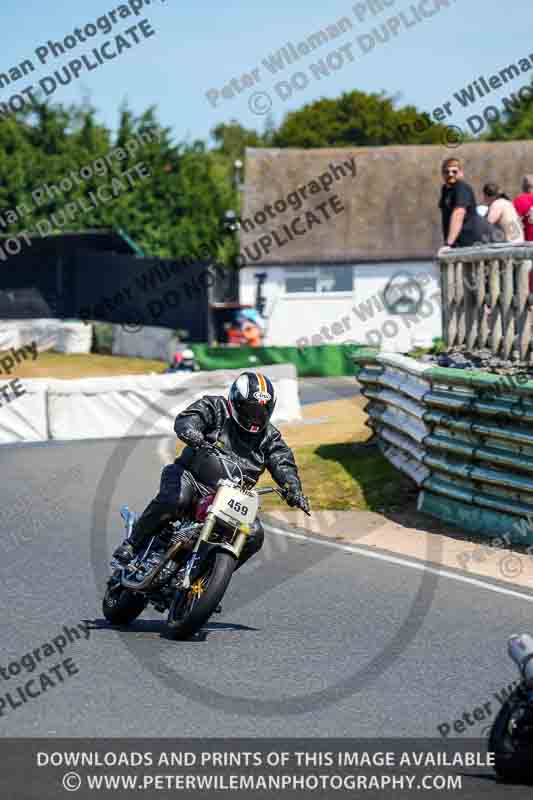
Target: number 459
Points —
{"points": [[236, 506]]}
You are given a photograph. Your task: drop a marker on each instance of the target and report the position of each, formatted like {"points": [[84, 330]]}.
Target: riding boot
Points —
{"points": [[153, 519], [151, 522]]}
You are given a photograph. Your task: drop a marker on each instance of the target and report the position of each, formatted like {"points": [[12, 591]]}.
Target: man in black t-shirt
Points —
{"points": [[461, 224]]}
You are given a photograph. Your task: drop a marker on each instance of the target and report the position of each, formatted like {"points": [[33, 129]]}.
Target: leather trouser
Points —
{"points": [[176, 495]]}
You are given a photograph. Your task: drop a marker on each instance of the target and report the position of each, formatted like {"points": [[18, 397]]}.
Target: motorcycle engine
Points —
{"points": [[184, 533]]}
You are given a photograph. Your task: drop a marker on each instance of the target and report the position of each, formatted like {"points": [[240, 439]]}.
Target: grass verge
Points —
{"points": [[68, 365], [338, 471]]}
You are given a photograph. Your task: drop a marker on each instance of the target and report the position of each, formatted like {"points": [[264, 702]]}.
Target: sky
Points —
{"points": [[186, 51]]}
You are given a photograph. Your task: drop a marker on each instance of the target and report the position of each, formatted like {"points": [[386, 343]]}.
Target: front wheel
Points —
{"points": [[513, 753], [191, 608], [120, 606]]}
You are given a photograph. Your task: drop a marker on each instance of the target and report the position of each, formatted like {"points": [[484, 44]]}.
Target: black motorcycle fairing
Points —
{"points": [[207, 467]]}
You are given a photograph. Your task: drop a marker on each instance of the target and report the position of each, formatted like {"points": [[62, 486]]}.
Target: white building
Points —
{"points": [[361, 267], [324, 304]]}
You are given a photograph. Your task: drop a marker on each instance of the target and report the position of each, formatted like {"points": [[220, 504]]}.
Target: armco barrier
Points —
{"points": [[465, 437], [136, 405]]}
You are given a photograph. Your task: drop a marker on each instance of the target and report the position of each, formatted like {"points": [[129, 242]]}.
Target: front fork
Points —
{"points": [[235, 548]]}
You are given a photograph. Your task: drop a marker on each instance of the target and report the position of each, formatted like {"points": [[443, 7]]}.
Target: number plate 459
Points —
{"points": [[234, 506]]}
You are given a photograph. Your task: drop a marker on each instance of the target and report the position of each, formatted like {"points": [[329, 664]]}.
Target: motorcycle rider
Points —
{"points": [[184, 361], [241, 426]]}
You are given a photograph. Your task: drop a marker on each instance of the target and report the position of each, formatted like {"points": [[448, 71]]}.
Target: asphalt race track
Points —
{"points": [[318, 390], [312, 641]]}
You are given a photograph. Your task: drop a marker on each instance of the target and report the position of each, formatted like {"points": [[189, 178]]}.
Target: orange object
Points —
{"points": [[235, 335], [251, 334]]}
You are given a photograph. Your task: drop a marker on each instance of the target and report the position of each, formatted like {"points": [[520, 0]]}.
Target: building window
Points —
{"points": [[297, 281], [318, 279]]}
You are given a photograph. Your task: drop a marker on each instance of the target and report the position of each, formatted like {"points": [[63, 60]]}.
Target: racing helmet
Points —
{"points": [[251, 401], [188, 356]]}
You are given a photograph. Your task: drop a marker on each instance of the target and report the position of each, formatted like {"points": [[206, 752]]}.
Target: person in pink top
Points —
{"points": [[524, 206]]}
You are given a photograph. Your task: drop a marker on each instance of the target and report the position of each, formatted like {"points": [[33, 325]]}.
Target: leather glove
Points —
{"points": [[192, 438], [294, 497]]}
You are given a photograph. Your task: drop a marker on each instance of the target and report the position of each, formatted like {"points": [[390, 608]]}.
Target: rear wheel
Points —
{"points": [[192, 608], [121, 606], [512, 753]]}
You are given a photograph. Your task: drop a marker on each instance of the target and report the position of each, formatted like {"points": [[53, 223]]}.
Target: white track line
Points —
{"points": [[421, 567]]}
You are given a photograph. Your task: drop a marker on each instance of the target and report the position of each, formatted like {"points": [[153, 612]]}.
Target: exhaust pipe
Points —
{"points": [[141, 586]]}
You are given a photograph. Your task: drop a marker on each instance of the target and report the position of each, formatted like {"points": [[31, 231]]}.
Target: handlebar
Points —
{"points": [[268, 490], [219, 450]]}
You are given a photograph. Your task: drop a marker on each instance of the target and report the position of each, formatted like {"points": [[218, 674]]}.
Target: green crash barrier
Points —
{"points": [[324, 361], [474, 464], [484, 521]]}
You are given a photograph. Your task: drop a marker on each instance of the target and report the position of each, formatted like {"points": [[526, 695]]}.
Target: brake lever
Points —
{"points": [[283, 495]]}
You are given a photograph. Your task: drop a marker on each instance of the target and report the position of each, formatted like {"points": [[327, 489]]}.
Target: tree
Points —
{"points": [[232, 138], [356, 119], [174, 211], [516, 120]]}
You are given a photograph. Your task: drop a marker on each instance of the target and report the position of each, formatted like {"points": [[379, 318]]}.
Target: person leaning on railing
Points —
{"points": [[461, 224], [503, 214], [524, 208]]}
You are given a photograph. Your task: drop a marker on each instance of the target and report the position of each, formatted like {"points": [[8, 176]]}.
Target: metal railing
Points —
{"points": [[486, 301]]}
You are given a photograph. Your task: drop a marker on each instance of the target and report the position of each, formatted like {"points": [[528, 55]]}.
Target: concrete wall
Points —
{"points": [[128, 405]]}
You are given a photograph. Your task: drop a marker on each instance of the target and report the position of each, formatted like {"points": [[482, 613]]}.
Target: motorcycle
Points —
{"points": [[511, 735], [187, 567]]}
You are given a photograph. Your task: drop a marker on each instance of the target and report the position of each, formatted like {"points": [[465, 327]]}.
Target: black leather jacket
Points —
{"points": [[254, 452]]}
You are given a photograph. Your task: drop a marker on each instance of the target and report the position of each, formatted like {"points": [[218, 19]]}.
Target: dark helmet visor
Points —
{"points": [[251, 415]]}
